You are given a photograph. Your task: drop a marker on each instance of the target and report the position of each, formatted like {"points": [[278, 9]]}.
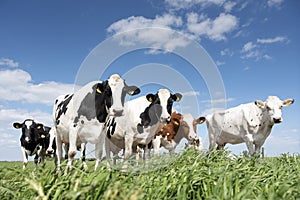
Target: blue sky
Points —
{"points": [[46, 47]]}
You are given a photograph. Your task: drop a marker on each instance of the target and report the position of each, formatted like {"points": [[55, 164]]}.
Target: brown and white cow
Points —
{"points": [[180, 126]]}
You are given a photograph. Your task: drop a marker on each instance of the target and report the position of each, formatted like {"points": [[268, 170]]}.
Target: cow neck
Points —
{"points": [[180, 132], [93, 106], [151, 115], [29, 146]]}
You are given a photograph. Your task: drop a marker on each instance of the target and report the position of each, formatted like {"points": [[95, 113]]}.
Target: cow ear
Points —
{"points": [[150, 97], [39, 126], [176, 122], [260, 103], [176, 97], [17, 125], [101, 87], [200, 120], [288, 102], [132, 90]]}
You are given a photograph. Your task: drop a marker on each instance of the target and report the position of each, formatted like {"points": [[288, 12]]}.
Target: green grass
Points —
{"points": [[189, 175]]}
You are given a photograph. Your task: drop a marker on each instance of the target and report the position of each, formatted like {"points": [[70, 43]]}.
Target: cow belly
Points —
{"points": [[63, 133], [116, 145], [230, 138], [91, 134]]}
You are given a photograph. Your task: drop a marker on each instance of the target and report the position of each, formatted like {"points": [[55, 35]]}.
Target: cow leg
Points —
{"points": [[99, 150], [25, 157], [66, 149], [221, 146], [82, 156], [73, 134], [128, 146], [258, 148], [107, 152], [36, 160], [58, 152], [248, 138], [212, 137], [156, 142]]}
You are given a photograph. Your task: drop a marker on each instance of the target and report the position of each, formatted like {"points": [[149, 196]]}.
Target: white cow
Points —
{"points": [[140, 122], [79, 118], [250, 123]]}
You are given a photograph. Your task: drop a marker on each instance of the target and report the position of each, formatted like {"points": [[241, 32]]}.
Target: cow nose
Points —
{"points": [[49, 151], [277, 120], [165, 120], [117, 112]]}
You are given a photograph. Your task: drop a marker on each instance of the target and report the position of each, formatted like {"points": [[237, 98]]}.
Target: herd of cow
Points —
{"points": [[97, 114]]}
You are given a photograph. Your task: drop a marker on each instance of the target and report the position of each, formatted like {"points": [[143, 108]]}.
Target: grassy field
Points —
{"points": [[189, 175]]}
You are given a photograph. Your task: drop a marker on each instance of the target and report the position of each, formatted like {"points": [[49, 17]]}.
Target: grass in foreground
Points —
{"points": [[189, 176]]}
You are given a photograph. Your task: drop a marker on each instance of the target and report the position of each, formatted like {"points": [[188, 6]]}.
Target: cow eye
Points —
{"points": [[268, 108], [280, 107]]}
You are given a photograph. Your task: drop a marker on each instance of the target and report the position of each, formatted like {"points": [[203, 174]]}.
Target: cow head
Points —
{"points": [[273, 107], [114, 91], [189, 129], [161, 105], [32, 132], [170, 130]]}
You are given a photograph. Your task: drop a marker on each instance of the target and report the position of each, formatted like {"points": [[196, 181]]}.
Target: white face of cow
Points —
{"points": [[273, 106], [118, 91], [190, 130], [162, 103]]}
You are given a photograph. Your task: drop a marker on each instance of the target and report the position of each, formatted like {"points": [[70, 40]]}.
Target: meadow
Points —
{"points": [[188, 175]]}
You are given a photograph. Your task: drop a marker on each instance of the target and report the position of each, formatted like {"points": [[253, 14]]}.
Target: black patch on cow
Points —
{"points": [[62, 108], [151, 114], [111, 127], [95, 104]]}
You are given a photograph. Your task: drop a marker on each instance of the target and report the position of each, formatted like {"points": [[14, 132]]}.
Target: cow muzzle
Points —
{"points": [[165, 120], [195, 142], [50, 151], [117, 112], [277, 120]]}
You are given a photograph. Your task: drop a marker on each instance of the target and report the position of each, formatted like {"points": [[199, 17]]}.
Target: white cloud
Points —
{"points": [[186, 4], [252, 54], [278, 144], [9, 116], [275, 3], [247, 68], [272, 40], [17, 85], [132, 23], [214, 29], [267, 57], [219, 63], [248, 47], [229, 5], [191, 93], [226, 52], [210, 111], [8, 62], [218, 100], [293, 130], [158, 33]]}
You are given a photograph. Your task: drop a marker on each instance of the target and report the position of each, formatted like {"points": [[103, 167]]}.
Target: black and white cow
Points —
{"points": [[34, 140], [140, 122], [79, 118]]}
